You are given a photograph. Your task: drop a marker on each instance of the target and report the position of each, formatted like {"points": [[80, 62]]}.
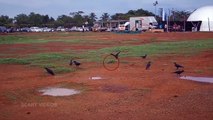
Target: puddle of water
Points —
{"points": [[96, 78], [198, 79], [51, 91]]}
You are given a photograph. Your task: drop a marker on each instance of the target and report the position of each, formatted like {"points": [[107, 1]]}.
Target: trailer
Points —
{"points": [[143, 23]]}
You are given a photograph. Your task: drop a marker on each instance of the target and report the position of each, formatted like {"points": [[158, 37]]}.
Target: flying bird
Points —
{"points": [[116, 55], [148, 65], [179, 72], [144, 56], [178, 66], [49, 71]]}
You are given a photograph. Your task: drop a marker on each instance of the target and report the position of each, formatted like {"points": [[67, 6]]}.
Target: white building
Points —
{"points": [[205, 16]]}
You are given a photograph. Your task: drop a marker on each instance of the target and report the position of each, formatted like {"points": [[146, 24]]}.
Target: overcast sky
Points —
{"points": [[54, 8]]}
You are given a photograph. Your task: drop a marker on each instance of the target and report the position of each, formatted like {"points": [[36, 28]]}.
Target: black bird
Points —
{"points": [[49, 71], [178, 66], [144, 56], [179, 72], [76, 63], [148, 65], [115, 55]]}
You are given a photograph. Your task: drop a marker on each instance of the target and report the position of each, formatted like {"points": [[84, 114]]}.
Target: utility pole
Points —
{"points": [[155, 4], [209, 24], [168, 23], [184, 23]]}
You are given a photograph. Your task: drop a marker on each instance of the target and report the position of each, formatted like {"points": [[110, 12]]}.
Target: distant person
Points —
{"points": [[175, 27], [83, 28], [150, 26], [160, 26], [178, 28], [165, 28]]}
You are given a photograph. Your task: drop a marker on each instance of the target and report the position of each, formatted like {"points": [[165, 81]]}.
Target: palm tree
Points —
{"points": [[105, 17]]}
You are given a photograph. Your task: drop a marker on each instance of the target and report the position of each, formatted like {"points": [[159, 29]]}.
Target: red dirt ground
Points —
{"points": [[128, 93]]}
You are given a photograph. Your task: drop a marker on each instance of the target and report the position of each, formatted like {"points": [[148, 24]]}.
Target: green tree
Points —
{"points": [[78, 19], [92, 19], [22, 20], [131, 13], [105, 17], [141, 12], [5, 20], [120, 16], [35, 19], [64, 20], [45, 19], [179, 15]]}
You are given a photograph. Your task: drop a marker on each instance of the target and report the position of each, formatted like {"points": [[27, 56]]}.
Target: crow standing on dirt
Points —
{"points": [[178, 66], [116, 55], [144, 56], [148, 65], [49, 71], [179, 72], [74, 62]]}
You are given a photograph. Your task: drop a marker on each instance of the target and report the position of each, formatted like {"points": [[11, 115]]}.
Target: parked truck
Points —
{"points": [[143, 23]]}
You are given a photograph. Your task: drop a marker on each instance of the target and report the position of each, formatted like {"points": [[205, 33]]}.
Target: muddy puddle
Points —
{"points": [[198, 79], [54, 91]]}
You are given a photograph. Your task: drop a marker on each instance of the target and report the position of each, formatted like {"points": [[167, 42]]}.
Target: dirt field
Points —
{"points": [[128, 93]]}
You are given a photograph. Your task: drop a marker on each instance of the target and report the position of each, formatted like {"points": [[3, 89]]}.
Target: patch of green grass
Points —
{"points": [[50, 56], [77, 34], [14, 61], [20, 39], [111, 62], [14, 39], [60, 61], [183, 47]]}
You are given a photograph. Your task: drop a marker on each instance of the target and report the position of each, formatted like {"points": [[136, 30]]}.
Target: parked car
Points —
{"points": [[36, 29], [60, 28], [46, 29], [3, 29], [86, 29], [79, 29], [10, 30], [25, 29], [73, 29]]}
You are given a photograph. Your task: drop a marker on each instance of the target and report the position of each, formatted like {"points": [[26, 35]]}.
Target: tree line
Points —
{"points": [[77, 18]]}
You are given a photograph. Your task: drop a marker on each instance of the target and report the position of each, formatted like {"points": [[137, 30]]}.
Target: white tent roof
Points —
{"points": [[204, 14]]}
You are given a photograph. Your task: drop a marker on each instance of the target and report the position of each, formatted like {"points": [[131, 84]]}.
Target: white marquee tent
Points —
{"points": [[205, 15]]}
